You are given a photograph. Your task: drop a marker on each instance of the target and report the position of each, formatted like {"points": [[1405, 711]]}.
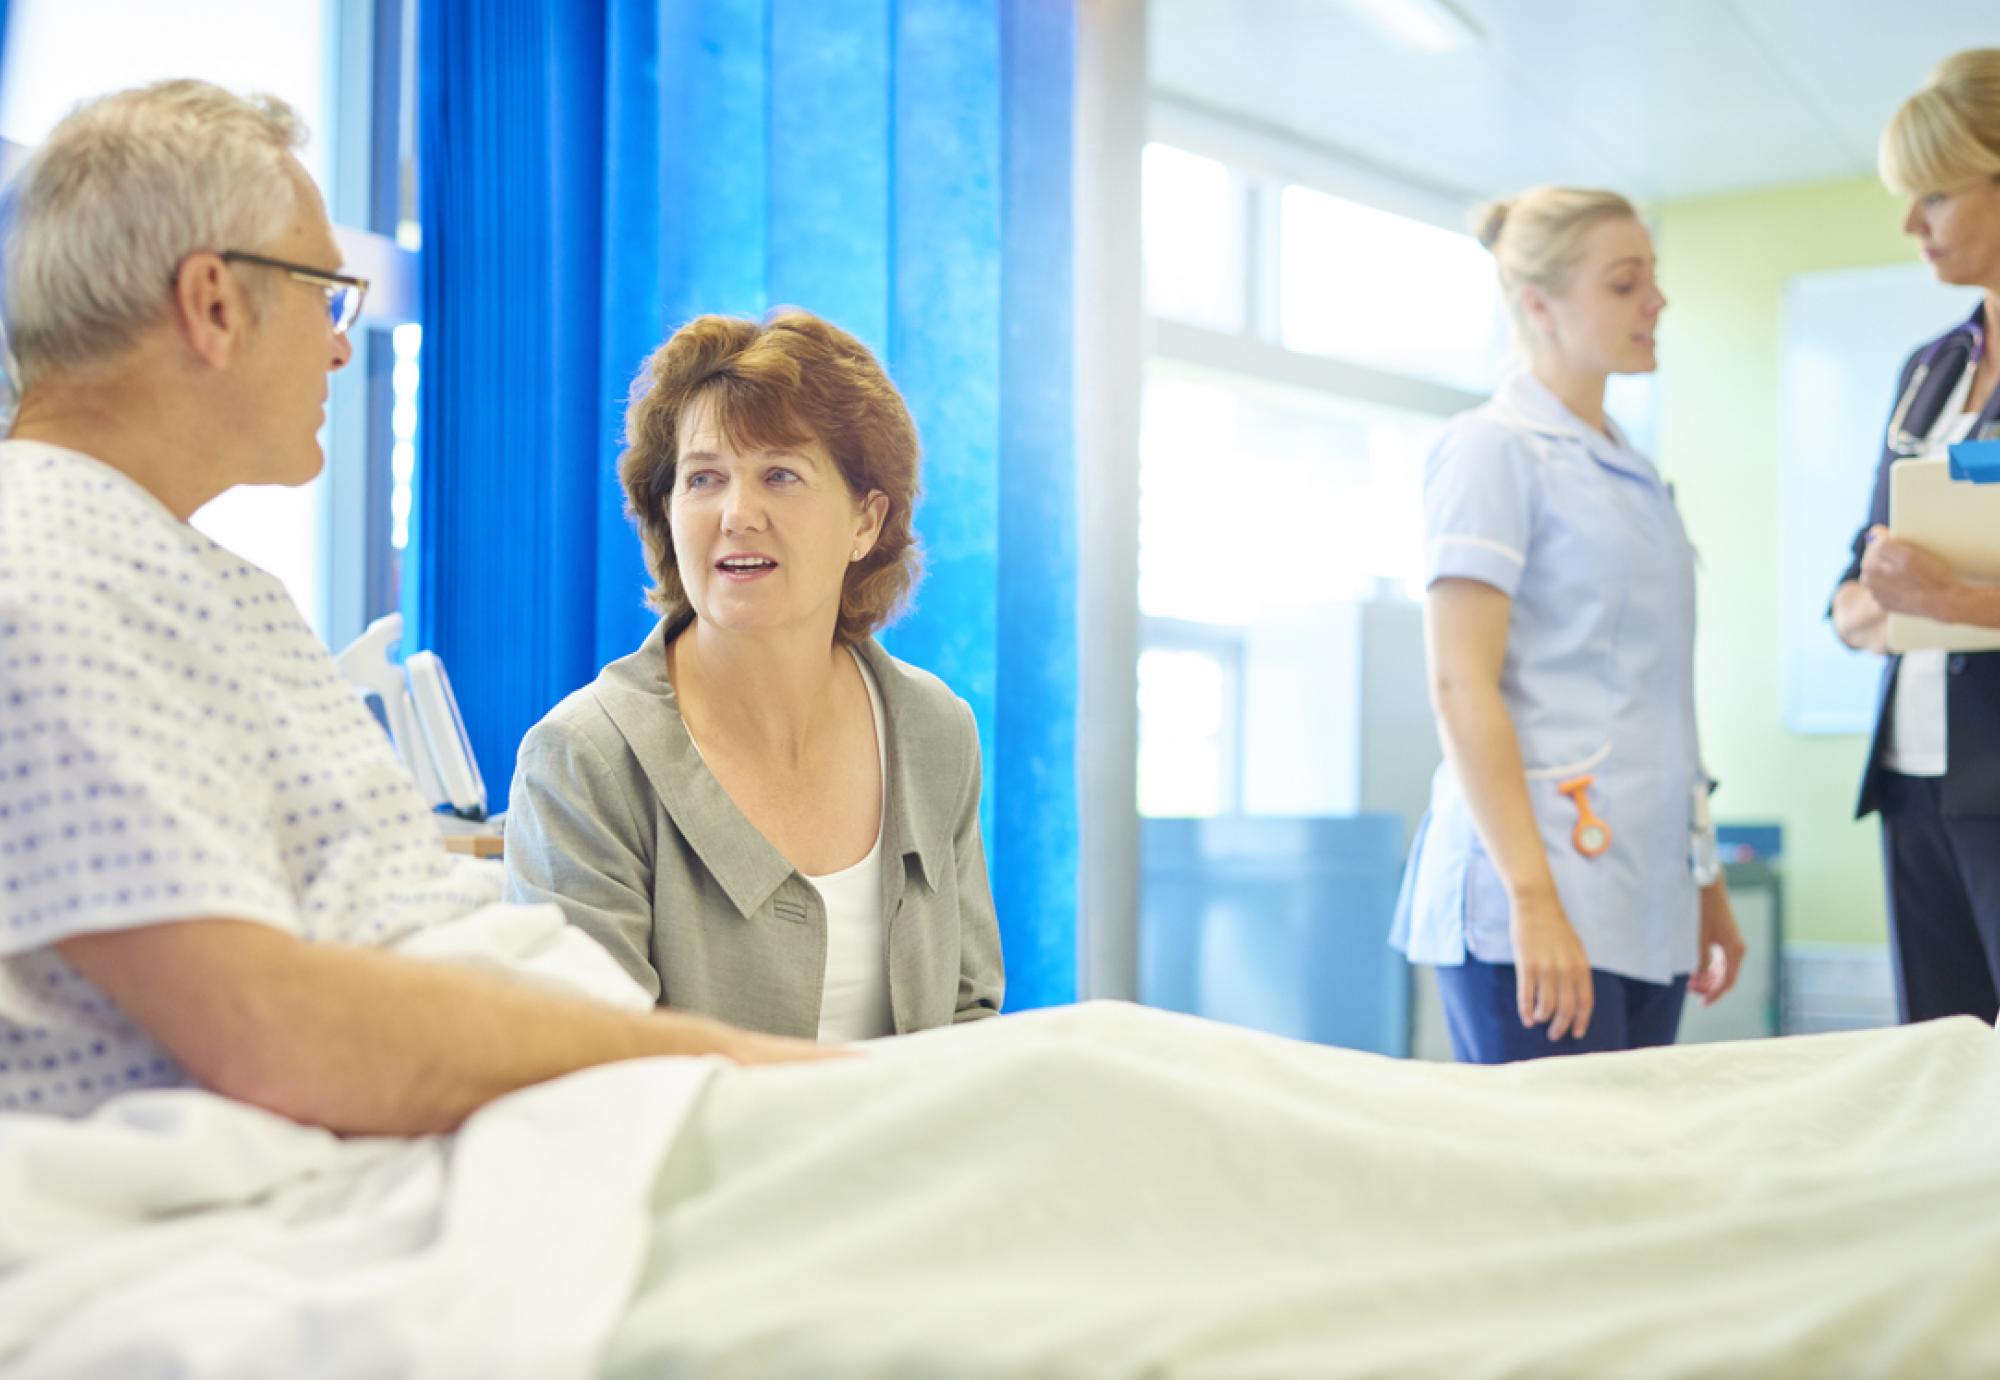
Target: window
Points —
{"points": [[1307, 350], [320, 57], [1388, 291], [1191, 226], [1187, 739], [1304, 352], [59, 54], [408, 343], [1258, 501]]}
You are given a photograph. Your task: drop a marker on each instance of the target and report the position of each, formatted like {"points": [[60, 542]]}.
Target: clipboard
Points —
{"points": [[1958, 521]]}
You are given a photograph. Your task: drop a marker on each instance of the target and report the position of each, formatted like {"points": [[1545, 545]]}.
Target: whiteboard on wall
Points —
{"points": [[1845, 335]]}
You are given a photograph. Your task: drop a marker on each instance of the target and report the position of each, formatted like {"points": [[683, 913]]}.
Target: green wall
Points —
{"points": [[1723, 264]]}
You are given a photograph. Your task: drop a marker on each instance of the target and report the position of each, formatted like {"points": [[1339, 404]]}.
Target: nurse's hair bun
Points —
{"points": [[1489, 220], [1544, 231]]}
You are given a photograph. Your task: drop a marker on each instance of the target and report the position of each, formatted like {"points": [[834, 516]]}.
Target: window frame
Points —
{"points": [[1263, 163], [359, 566], [1221, 643]]}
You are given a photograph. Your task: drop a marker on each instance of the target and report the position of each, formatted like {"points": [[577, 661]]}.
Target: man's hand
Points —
{"points": [[750, 1047]]}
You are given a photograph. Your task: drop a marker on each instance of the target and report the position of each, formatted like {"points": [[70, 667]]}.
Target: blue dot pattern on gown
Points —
{"points": [[175, 743]]}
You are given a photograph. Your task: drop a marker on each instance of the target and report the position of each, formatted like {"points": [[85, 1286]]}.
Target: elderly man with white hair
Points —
{"points": [[207, 847]]}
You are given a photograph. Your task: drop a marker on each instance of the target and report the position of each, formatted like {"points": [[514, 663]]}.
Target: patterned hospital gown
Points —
{"points": [[174, 742]]}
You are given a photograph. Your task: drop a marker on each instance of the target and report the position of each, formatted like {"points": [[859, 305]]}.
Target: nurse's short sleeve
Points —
{"points": [[133, 781], [1478, 506]]}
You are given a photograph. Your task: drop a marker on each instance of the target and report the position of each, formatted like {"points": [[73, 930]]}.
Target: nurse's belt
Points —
{"points": [[1958, 522]]}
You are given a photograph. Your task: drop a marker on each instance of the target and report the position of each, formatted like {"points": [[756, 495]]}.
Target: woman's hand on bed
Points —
{"points": [[1721, 955], [1551, 971]]}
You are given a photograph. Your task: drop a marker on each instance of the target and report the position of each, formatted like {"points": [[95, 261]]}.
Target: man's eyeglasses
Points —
{"points": [[344, 294]]}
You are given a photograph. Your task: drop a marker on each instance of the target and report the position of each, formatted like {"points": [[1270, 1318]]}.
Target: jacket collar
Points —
{"points": [[903, 834], [640, 701], [1525, 401]]}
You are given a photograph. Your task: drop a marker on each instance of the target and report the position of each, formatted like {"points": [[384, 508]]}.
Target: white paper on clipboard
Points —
{"points": [[1958, 522]]}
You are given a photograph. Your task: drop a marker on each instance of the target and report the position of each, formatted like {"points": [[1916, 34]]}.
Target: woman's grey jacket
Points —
{"points": [[614, 817]]}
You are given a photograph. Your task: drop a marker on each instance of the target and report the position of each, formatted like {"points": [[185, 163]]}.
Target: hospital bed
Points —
{"points": [[1102, 1190]]}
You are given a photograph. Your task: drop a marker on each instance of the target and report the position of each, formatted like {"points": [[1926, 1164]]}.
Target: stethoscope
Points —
{"points": [[1968, 345]]}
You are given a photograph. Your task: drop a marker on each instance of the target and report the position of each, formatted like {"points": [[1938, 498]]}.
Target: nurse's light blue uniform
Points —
{"points": [[1580, 532]]}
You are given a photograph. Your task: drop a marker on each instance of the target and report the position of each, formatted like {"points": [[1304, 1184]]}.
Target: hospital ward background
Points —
{"points": [[1180, 294], [1176, 374]]}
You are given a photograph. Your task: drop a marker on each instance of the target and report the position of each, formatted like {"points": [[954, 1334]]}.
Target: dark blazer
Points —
{"points": [[614, 817], [1971, 785]]}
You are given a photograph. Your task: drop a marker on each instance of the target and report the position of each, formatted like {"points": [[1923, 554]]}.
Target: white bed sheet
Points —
{"points": [[1108, 1191], [1092, 1191], [176, 1233]]}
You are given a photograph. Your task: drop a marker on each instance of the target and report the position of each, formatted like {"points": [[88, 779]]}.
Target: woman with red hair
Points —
{"points": [[760, 813]]}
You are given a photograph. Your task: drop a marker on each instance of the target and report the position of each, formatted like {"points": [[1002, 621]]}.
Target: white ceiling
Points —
{"points": [[1661, 99]]}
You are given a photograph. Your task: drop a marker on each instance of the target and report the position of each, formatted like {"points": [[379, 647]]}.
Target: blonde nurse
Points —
{"points": [[1563, 882]]}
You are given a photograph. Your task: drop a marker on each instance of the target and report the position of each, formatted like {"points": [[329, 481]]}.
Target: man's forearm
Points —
{"points": [[361, 1041], [378, 1043]]}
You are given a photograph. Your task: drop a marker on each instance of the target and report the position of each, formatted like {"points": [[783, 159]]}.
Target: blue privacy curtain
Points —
{"points": [[596, 172]]}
